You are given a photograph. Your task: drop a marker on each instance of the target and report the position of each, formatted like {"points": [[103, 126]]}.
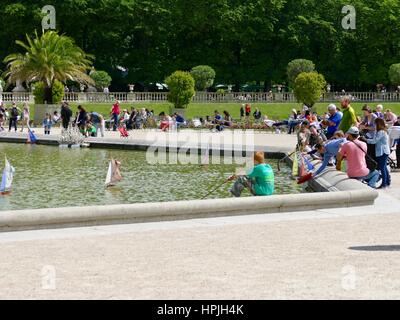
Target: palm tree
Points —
{"points": [[48, 58]]}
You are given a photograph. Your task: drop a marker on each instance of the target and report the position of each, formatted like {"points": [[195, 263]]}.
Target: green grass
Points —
{"points": [[274, 111]]}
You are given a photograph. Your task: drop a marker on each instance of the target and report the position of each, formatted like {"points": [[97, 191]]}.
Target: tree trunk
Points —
{"points": [[48, 95]]}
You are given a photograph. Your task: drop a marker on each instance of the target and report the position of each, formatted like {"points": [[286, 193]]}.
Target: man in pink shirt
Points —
{"points": [[355, 151], [115, 111]]}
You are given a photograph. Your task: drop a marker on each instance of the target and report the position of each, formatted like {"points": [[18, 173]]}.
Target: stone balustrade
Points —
{"points": [[201, 97]]}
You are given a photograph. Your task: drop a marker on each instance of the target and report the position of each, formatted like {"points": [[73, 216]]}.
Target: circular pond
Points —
{"points": [[49, 177]]}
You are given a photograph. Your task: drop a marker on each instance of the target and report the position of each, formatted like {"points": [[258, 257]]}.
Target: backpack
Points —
{"points": [[14, 112]]}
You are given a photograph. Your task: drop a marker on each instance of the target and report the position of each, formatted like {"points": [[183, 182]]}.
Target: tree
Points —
{"points": [[101, 79], [297, 66], [203, 76], [48, 58], [308, 87], [394, 74], [181, 88]]}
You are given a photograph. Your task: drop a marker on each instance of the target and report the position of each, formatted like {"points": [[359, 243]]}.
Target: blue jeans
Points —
{"points": [[241, 183], [372, 178], [292, 126], [382, 166], [115, 118]]}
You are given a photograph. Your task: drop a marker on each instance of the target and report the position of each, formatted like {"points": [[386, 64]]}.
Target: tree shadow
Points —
{"points": [[377, 248]]}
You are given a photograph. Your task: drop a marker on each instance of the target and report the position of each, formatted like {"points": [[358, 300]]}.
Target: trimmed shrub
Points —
{"points": [[181, 89], [203, 76], [308, 87]]}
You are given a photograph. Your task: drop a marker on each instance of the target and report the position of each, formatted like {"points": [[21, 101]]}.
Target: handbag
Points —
{"points": [[372, 165]]}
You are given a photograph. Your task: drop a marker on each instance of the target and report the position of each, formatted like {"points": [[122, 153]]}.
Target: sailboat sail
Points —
{"points": [[7, 177], [31, 137], [113, 174], [206, 159], [295, 168]]}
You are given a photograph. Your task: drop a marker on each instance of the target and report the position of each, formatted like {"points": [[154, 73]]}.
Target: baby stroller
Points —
{"points": [[124, 133]]}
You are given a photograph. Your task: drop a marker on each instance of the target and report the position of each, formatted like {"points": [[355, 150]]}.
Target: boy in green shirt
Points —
{"points": [[259, 180]]}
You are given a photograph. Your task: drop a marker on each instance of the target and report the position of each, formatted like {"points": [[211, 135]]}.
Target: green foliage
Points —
{"points": [[394, 74], [181, 88], [57, 92], [244, 41], [38, 92], [203, 76], [297, 66], [308, 87], [48, 58], [101, 79]]}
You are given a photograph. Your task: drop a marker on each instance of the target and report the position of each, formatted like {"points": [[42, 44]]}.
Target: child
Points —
{"points": [[91, 130], [259, 180], [47, 124]]}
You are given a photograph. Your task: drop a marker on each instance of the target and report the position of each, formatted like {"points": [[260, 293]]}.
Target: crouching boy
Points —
{"points": [[259, 180]]}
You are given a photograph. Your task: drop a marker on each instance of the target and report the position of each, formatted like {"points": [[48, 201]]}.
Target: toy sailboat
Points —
{"points": [[7, 179], [113, 174]]}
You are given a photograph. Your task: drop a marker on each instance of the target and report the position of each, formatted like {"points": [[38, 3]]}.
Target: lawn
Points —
{"points": [[274, 111]]}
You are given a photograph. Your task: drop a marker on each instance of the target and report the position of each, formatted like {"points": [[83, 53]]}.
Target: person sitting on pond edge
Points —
{"points": [[260, 180]]}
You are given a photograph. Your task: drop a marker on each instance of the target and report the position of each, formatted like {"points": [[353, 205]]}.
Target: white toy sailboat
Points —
{"points": [[113, 174], [7, 178]]}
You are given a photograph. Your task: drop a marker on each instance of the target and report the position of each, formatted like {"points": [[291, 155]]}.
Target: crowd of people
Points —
{"points": [[14, 115], [363, 142]]}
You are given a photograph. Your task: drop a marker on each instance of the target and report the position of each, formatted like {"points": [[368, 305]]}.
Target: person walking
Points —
{"points": [[13, 117], [25, 117], [115, 111], [382, 150]]}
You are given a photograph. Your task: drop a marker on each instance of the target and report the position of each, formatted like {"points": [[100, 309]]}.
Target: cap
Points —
{"points": [[354, 131]]}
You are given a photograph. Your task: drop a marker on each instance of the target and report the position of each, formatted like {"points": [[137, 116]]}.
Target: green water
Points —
{"points": [[48, 177]]}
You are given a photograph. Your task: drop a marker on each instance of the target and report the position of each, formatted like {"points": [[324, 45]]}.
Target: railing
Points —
{"points": [[17, 97], [201, 97]]}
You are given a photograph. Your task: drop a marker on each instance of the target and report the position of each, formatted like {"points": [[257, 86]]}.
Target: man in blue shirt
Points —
{"points": [[333, 121], [329, 151]]}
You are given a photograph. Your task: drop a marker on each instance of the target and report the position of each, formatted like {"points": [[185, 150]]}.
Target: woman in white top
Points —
{"points": [[25, 116], [382, 150]]}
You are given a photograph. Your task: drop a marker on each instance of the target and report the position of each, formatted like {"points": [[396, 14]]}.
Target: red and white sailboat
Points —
{"points": [[113, 174]]}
